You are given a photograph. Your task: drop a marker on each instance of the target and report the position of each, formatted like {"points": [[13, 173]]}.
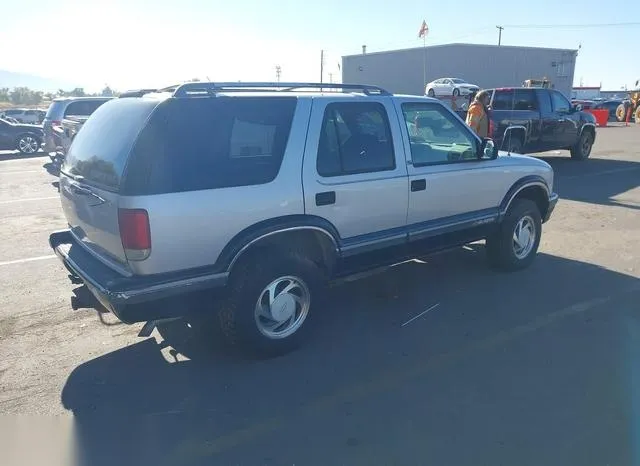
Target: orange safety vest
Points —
{"points": [[477, 119]]}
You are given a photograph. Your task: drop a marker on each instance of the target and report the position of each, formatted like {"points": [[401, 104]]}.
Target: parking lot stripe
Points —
{"points": [[11, 201], [16, 172], [29, 259], [420, 315]]}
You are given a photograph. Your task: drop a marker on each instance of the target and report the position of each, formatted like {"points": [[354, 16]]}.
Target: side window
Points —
{"points": [[525, 99], [76, 108], [560, 102], [436, 136], [503, 100], [545, 101], [355, 138], [197, 144]]}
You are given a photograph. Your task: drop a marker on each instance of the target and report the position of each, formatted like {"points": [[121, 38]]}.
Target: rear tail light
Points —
{"points": [[491, 128], [135, 233], [56, 123]]}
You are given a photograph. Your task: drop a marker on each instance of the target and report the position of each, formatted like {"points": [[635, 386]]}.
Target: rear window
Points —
{"points": [[99, 150], [83, 107], [54, 112], [207, 143]]}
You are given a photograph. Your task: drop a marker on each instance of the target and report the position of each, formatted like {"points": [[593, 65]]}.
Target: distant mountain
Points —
{"points": [[12, 79]]}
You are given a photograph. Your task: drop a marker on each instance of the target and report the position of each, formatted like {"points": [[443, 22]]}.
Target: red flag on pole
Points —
{"points": [[424, 30]]}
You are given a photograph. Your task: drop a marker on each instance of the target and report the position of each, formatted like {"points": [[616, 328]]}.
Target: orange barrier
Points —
{"points": [[602, 116]]}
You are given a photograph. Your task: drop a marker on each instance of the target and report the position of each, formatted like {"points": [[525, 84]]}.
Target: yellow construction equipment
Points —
{"points": [[630, 104], [544, 83]]}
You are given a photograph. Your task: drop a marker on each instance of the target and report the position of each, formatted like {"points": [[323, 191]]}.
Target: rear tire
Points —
{"points": [[621, 112], [28, 144], [515, 245], [582, 149], [272, 297]]}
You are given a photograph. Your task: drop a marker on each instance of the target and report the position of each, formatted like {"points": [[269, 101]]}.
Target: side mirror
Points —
{"points": [[576, 107], [488, 150]]}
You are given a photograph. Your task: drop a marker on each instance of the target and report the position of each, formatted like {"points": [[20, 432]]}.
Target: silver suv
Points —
{"points": [[255, 195]]}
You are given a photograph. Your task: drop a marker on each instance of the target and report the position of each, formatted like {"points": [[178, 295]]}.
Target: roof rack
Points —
{"points": [[211, 88], [141, 92]]}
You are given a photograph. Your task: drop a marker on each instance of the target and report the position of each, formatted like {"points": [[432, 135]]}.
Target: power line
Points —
{"points": [[567, 26]]}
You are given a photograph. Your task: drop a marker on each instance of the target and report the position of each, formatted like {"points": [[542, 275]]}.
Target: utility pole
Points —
{"points": [[330, 78], [500, 28], [321, 65], [278, 72]]}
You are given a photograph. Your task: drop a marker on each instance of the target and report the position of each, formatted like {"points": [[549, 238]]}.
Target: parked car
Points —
{"points": [[18, 136], [64, 107], [528, 120], [252, 202], [24, 115], [450, 87], [611, 106]]}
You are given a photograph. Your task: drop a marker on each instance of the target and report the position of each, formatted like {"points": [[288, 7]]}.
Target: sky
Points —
{"points": [[135, 43]]}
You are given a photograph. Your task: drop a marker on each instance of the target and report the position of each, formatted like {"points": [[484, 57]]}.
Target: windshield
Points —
{"points": [[458, 81]]}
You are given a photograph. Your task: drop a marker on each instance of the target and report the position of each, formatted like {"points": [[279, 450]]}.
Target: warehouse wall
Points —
{"points": [[488, 66]]}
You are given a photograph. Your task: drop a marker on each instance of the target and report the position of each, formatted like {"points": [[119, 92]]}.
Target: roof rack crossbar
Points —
{"points": [[141, 92], [211, 88]]}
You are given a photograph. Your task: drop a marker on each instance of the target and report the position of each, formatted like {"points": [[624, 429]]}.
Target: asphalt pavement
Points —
{"points": [[539, 367]]}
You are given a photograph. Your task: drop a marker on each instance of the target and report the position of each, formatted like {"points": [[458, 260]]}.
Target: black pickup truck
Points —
{"points": [[528, 120]]}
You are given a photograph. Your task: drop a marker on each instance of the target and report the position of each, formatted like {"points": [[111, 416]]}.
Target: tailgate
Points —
{"points": [[92, 214], [91, 175]]}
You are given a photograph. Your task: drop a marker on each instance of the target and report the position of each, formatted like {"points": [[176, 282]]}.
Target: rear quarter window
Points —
{"points": [[208, 143], [100, 149]]}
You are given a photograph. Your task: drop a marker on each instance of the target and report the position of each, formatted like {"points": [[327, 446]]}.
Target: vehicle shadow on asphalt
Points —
{"points": [[146, 404], [596, 181]]}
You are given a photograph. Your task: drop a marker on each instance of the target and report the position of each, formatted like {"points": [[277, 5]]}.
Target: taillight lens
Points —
{"points": [[56, 123], [135, 233], [491, 128]]}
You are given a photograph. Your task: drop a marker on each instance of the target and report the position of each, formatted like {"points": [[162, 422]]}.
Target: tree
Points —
{"points": [[77, 92], [4, 94], [107, 92]]}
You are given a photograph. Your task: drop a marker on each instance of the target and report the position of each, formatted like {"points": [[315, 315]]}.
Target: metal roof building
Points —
{"points": [[488, 66]]}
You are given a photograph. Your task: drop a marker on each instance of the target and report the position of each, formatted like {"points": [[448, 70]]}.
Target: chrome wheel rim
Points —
{"points": [[282, 307], [28, 145], [524, 237]]}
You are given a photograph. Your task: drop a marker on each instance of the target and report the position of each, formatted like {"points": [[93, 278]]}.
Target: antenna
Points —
{"points": [[278, 72]]}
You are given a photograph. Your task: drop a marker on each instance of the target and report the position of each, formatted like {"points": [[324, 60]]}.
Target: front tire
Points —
{"points": [[28, 144], [582, 149], [456, 92], [431, 93], [515, 245], [271, 301]]}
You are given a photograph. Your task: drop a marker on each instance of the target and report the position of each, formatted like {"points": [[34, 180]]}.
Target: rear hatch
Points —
{"points": [[91, 174]]}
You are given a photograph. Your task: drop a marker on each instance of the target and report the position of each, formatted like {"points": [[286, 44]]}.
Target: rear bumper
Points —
{"points": [[553, 200], [134, 298]]}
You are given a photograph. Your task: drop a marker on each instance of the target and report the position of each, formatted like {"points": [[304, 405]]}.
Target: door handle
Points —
{"points": [[326, 198], [418, 185]]}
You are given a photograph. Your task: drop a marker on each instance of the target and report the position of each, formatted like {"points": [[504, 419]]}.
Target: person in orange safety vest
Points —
{"points": [[478, 114]]}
